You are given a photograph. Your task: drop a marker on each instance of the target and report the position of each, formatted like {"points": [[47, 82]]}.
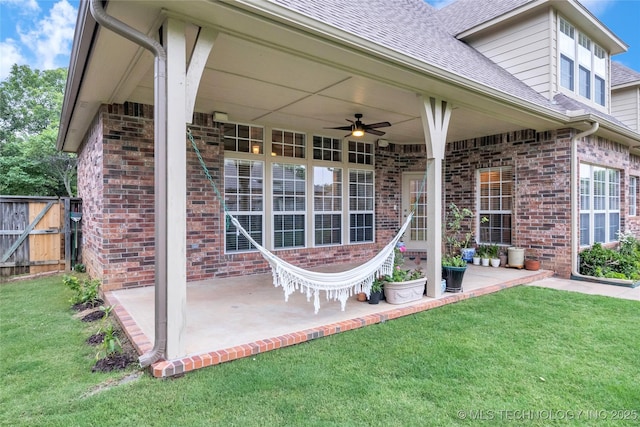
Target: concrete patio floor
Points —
{"points": [[239, 317]]}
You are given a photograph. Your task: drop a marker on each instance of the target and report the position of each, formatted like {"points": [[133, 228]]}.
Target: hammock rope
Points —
{"points": [[338, 286]]}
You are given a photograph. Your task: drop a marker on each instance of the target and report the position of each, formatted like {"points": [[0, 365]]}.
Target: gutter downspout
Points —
{"points": [[160, 165], [575, 244]]}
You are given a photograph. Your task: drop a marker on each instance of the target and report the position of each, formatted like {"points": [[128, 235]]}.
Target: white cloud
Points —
{"points": [[51, 36], [27, 5], [597, 7], [9, 55]]}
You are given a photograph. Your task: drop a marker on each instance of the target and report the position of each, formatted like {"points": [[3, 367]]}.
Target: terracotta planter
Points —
{"points": [[532, 264], [362, 297], [402, 292]]}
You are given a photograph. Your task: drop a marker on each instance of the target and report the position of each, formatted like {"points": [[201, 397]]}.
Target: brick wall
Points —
{"points": [[115, 177], [541, 167], [90, 188], [116, 184], [633, 223]]}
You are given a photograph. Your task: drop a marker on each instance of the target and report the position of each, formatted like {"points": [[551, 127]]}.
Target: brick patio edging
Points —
{"points": [[168, 368]]}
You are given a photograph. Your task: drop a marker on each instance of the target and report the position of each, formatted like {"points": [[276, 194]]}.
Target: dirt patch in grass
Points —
{"points": [[93, 316], [127, 357]]}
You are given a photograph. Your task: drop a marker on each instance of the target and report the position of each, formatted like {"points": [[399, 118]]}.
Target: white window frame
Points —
{"points": [[328, 206], [495, 203], [599, 204], [585, 57], [335, 153], [633, 196], [293, 206], [361, 196], [254, 202]]}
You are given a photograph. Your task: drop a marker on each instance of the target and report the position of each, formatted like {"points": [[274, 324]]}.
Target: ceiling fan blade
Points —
{"points": [[373, 131], [378, 125], [342, 127]]}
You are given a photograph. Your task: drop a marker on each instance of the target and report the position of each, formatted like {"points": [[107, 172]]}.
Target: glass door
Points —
{"points": [[414, 197]]}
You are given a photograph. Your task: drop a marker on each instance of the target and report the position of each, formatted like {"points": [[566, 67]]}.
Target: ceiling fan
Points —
{"points": [[358, 129]]}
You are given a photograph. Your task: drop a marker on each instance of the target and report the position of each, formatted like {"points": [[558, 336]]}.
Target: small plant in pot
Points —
{"points": [[453, 265], [494, 255], [376, 290], [484, 251], [457, 240]]}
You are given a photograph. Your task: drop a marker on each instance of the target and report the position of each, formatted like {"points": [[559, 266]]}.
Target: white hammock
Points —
{"points": [[338, 286]]}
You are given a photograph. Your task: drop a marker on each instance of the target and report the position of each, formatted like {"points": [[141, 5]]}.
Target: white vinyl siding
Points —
{"points": [[625, 106], [522, 50]]}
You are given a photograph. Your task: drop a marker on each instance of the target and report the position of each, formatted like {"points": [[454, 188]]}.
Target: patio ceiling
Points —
{"points": [[287, 74]]}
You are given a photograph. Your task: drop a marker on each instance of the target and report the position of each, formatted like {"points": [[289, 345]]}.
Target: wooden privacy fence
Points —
{"points": [[39, 234]]}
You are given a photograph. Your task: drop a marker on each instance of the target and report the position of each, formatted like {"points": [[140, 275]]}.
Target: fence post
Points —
{"points": [[66, 230]]}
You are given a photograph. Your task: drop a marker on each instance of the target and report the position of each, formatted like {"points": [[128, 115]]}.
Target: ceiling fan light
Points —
{"points": [[357, 131]]}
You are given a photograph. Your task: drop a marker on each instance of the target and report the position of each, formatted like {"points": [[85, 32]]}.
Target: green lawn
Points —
{"points": [[525, 352]]}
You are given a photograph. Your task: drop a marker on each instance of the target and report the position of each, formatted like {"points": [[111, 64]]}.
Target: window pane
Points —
{"points": [[496, 199], [243, 194], [288, 143], [599, 91], [585, 82], [599, 229], [584, 229], [566, 72]]}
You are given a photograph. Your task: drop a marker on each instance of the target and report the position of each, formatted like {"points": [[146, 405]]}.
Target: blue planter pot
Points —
{"points": [[467, 253]]}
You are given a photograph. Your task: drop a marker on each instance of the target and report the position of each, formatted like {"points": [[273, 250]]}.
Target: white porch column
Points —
{"points": [[182, 87], [176, 184], [435, 115]]}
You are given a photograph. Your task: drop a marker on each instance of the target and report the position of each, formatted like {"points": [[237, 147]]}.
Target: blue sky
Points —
{"points": [[39, 33]]}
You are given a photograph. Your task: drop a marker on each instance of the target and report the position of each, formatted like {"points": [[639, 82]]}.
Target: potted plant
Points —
{"points": [[453, 268], [402, 285], [477, 257], [456, 239], [376, 291], [494, 255], [531, 262], [483, 252], [503, 258]]}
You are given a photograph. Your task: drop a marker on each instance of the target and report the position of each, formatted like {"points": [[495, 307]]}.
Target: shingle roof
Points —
{"points": [[416, 29], [571, 104], [411, 27], [622, 75], [462, 15]]}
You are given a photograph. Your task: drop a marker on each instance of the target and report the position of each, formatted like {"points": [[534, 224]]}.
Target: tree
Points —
{"points": [[30, 106]]}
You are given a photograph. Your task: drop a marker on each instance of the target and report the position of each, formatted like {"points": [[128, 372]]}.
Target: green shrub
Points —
{"points": [[84, 291], [110, 343], [623, 263]]}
